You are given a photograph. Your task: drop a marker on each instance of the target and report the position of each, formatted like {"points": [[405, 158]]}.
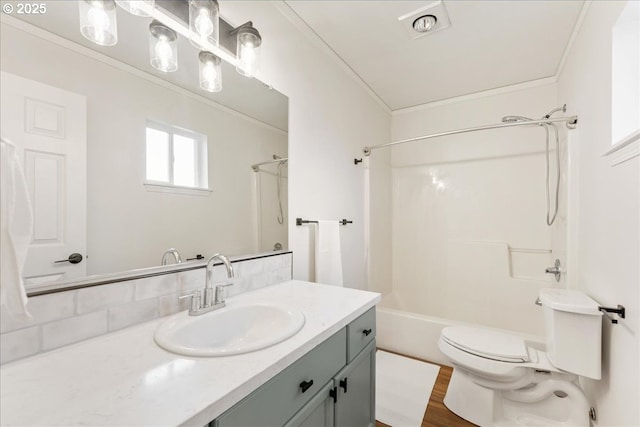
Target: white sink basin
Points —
{"points": [[230, 330]]}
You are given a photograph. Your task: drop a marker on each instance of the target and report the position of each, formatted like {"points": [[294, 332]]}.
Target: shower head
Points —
{"points": [[513, 119], [555, 110]]}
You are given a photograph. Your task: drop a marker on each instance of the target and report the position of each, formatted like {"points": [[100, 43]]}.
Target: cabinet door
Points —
{"points": [[356, 391], [284, 395], [318, 412]]}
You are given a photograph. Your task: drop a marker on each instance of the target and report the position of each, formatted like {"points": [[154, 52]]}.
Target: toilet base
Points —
{"points": [[537, 405]]}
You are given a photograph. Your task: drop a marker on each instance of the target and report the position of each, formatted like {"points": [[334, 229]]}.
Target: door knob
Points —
{"points": [[555, 270], [74, 258]]}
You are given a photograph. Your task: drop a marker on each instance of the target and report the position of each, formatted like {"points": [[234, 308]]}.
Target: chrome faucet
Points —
{"points": [[212, 299], [208, 287], [171, 251]]}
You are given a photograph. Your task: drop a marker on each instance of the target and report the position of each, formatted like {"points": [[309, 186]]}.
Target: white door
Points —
{"points": [[49, 127]]}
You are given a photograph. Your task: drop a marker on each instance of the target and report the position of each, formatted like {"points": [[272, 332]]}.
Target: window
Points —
{"points": [[625, 85], [176, 159]]}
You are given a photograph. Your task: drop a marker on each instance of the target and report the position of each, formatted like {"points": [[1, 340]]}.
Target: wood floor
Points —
{"points": [[437, 415]]}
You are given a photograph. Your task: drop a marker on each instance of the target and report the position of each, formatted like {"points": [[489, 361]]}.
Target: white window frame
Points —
{"points": [[200, 161]]}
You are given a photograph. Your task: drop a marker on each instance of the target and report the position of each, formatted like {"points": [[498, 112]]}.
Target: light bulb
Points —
{"points": [[209, 75], [204, 26], [164, 53], [210, 72], [98, 18], [248, 51], [203, 22], [247, 58], [163, 47], [98, 21]]}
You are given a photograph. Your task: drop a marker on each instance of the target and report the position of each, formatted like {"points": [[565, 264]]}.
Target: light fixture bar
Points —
{"points": [[182, 27]]}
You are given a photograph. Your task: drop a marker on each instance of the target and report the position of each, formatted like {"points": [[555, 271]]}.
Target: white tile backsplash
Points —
{"points": [[100, 297], [249, 268], [151, 287], [169, 304], [78, 328], [133, 313], [18, 344], [43, 309], [70, 316]]}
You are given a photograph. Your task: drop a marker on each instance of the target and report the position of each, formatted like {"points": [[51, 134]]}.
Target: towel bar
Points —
{"points": [[300, 221]]}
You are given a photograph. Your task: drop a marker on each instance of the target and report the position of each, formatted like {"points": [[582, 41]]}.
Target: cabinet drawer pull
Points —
{"points": [[333, 393], [304, 385], [343, 384], [366, 332]]}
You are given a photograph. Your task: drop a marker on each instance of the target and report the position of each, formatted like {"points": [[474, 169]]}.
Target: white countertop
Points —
{"points": [[124, 378]]}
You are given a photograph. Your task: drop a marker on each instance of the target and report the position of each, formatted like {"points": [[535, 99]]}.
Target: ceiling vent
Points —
{"points": [[426, 20]]}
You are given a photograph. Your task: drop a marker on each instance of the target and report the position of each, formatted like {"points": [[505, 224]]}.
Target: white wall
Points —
{"points": [[129, 227], [470, 239], [604, 215], [331, 118]]}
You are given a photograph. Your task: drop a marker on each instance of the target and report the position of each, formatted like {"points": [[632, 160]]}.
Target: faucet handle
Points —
{"points": [[195, 300], [220, 292]]}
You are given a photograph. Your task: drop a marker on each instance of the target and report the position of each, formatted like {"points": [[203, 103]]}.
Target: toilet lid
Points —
{"points": [[487, 343]]}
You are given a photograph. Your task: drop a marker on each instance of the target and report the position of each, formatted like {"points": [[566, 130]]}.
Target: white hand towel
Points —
{"points": [[328, 253], [16, 223]]}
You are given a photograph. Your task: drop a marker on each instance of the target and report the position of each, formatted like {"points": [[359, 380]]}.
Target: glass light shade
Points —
{"points": [[163, 47], [210, 72], [204, 23], [98, 21], [248, 51], [133, 6]]}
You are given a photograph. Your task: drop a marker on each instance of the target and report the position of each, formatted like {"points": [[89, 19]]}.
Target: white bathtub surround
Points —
{"points": [[403, 388], [64, 318], [157, 387], [328, 253], [469, 241]]}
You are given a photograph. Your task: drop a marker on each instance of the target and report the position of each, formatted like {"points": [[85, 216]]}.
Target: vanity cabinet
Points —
{"points": [[332, 385]]}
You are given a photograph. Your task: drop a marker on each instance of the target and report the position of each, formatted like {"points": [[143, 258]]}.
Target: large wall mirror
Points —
{"points": [[123, 162]]}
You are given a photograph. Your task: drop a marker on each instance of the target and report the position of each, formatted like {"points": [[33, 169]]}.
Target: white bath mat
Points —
{"points": [[403, 388]]}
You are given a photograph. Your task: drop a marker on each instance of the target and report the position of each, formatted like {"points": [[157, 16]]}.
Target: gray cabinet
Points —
{"points": [[332, 385], [319, 412], [356, 403]]}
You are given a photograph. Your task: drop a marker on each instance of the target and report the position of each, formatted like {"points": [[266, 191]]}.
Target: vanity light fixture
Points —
{"points": [[134, 6], [210, 72], [198, 20], [204, 24], [163, 47], [425, 23], [98, 21], [247, 49]]}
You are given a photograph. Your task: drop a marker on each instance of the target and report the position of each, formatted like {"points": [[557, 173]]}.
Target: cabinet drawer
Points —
{"points": [[361, 332], [281, 397]]}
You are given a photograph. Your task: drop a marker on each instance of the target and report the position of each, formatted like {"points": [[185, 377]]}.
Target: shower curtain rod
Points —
{"points": [[257, 165], [571, 122]]}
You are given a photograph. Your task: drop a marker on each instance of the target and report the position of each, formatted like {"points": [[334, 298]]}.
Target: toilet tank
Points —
{"points": [[573, 328]]}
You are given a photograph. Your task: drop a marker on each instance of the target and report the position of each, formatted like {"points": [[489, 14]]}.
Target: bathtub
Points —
{"points": [[417, 335]]}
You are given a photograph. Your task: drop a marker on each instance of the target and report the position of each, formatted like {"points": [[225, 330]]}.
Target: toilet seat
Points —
{"points": [[486, 343]]}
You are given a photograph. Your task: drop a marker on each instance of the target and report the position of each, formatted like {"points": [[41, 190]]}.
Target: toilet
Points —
{"points": [[498, 380]]}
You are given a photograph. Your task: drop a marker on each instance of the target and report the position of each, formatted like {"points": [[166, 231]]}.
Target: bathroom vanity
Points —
{"points": [[331, 385], [323, 375]]}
